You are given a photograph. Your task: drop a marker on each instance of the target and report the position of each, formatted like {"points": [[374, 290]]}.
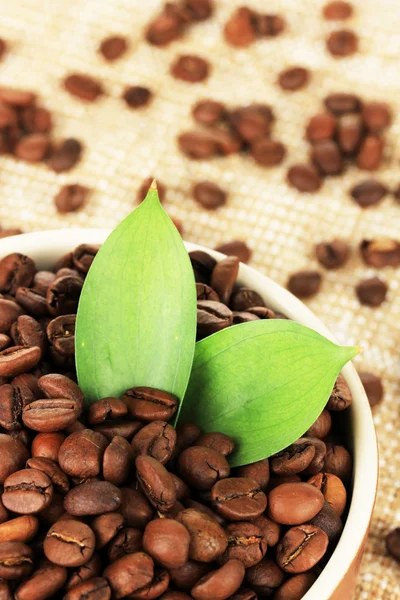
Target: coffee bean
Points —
{"points": [[70, 198], [237, 248], [301, 548], [20, 529], [294, 78], [18, 359], [32, 301], [127, 541], [144, 188], [393, 543], [52, 470], [245, 543], [224, 276], [244, 594], [258, 471], [212, 316], [27, 491], [43, 583], [201, 467], [117, 460], [129, 574], [156, 483], [265, 577], [81, 454], [377, 116], [269, 25], [372, 291], [373, 387], [26, 331], [340, 397], [252, 122], [338, 461], [186, 435], [61, 334], [92, 498], [342, 43], [198, 10], [16, 270], [33, 147], [157, 439], [16, 97], [166, 27], [294, 503], [239, 31], [270, 530], [220, 584], [83, 87], [380, 252], [321, 127], [238, 498], [295, 587], [96, 588], [189, 574], [209, 195], [244, 298], [149, 404], [305, 178], [326, 157], [113, 47], [205, 292], [342, 103], [11, 405], [137, 96], [190, 503], [167, 542], [47, 445], [83, 256], [5, 340], [208, 112], [92, 568], [370, 154], [50, 415], [16, 560], [198, 144], [35, 119], [329, 521], [337, 10], [294, 459], [69, 543], [350, 130], [268, 153], [125, 429], [106, 408], [55, 385], [332, 255], [322, 426], [9, 313], [207, 538], [157, 587], [63, 296], [8, 116], [190, 68], [105, 527], [65, 156], [217, 441], [304, 284]]}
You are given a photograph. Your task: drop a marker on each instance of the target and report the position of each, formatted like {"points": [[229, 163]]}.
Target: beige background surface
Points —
{"points": [[49, 39]]}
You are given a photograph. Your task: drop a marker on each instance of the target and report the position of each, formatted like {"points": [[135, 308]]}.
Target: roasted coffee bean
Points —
{"points": [[167, 26], [269, 25], [154, 589], [35, 119], [52, 470], [83, 256], [293, 459], [129, 574], [220, 584], [393, 543], [243, 317], [235, 248], [295, 587], [63, 296], [81, 454], [8, 116], [304, 284], [20, 529], [301, 548], [149, 404], [198, 10], [144, 188], [332, 255], [342, 43], [268, 153], [207, 538], [9, 313], [5, 341], [16, 270], [377, 116], [125, 429], [117, 460], [50, 415], [327, 158], [16, 560], [65, 156], [156, 482], [294, 78], [27, 491], [368, 192], [11, 405], [245, 543], [17, 359], [252, 122], [198, 145], [322, 426], [105, 527], [321, 127], [26, 331], [329, 521], [224, 276], [244, 594], [113, 47], [373, 387], [69, 543], [70, 198], [370, 154], [136, 96], [239, 30], [189, 503], [212, 317], [244, 298], [269, 529], [294, 503], [350, 130], [157, 439], [217, 441], [43, 583], [167, 542], [13, 456], [186, 435], [61, 334], [205, 292], [258, 471], [201, 467], [338, 461], [381, 252], [106, 408], [32, 301], [372, 291], [238, 498], [209, 195], [127, 541], [337, 10], [92, 568], [182, 490], [317, 463], [190, 68], [265, 577], [33, 147], [96, 588], [304, 178], [340, 397], [47, 445], [341, 103], [16, 97], [208, 112], [83, 87], [189, 574]]}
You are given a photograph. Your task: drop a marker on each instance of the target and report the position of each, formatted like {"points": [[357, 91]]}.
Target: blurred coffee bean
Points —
{"points": [[294, 78], [16, 97], [372, 291], [327, 158], [370, 154], [244, 298], [137, 96], [63, 296], [377, 116], [198, 144], [212, 317], [304, 284], [393, 543], [166, 27], [338, 461], [321, 127], [83, 87], [332, 255], [368, 192], [113, 47], [71, 197], [267, 153], [198, 10], [204, 292], [65, 156], [224, 276], [268, 25], [380, 252], [202, 264], [337, 10], [304, 177], [350, 130], [33, 147], [342, 103], [190, 68], [373, 387], [239, 30], [61, 334], [237, 248], [208, 112], [209, 195], [252, 122], [341, 396], [342, 43]]}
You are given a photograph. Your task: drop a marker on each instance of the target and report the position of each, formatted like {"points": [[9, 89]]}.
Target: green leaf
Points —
{"points": [[263, 383], [136, 322]]}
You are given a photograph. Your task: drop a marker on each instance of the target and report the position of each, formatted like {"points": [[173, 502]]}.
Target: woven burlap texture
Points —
{"points": [[51, 39]]}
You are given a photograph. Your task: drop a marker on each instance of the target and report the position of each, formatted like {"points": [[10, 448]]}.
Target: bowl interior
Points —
{"points": [[46, 247]]}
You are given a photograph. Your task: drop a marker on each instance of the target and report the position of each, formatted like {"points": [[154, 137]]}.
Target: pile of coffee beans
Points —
{"points": [[25, 132], [350, 131], [228, 131], [112, 502], [175, 18], [245, 26]]}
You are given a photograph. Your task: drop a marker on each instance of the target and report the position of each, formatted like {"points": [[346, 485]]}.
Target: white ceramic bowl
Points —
{"points": [[337, 579]]}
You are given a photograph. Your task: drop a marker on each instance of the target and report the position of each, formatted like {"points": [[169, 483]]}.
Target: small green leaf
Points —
{"points": [[136, 322], [263, 383]]}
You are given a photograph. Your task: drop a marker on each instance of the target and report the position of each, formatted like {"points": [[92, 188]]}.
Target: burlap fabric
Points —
{"points": [[49, 39]]}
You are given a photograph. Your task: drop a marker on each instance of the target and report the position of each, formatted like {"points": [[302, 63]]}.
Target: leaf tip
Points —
{"points": [[153, 187]]}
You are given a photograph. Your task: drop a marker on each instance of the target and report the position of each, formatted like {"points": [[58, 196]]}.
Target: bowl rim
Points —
{"points": [[365, 454]]}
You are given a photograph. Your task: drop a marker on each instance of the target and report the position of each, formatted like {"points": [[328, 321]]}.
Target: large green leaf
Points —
{"points": [[263, 383], [136, 322]]}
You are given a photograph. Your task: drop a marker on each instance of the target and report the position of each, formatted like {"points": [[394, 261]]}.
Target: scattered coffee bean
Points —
{"points": [[377, 116], [337, 10], [350, 131], [327, 158], [305, 178], [190, 68], [332, 255], [208, 112], [342, 43], [368, 192], [304, 284], [137, 96], [83, 87], [393, 543], [33, 147], [372, 291], [246, 25], [268, 153], [172, 22], [236, 248], [380, 252], [209, 195], [65, 156], [70, 198], [113, 47], [294, 78], [342, 103], [321, 127], [252, 122], [373, 387]]}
